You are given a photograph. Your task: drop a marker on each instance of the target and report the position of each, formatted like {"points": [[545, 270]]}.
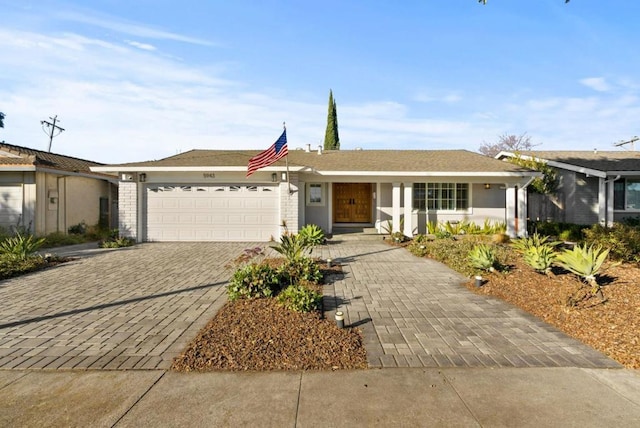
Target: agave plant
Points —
{"points": [[20, 247], [585, 262], [540, 258], [522, 245], [482, 256], [312, 235]]}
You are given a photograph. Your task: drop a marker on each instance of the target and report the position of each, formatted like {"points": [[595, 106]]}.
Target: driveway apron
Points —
{"points": [[414, 312], [132, 308]]}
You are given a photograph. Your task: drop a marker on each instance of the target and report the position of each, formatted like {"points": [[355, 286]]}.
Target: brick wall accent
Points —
{"points": [[289, 202], [128, 209]]}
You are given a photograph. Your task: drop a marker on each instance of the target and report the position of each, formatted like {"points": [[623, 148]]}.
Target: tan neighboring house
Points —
{"points": [[47, 192], [204, 195]]}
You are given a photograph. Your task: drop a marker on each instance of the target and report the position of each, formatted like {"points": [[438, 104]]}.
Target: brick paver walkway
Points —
{"points": [[414, 312], [137, 308], [133, 308]]}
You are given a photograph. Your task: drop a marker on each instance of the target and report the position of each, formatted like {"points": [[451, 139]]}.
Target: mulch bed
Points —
{"points": [[611, 327], [259, 334]]}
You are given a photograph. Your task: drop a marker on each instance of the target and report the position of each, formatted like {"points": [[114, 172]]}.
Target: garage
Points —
{"points": [[10, 205], [212, 213]]}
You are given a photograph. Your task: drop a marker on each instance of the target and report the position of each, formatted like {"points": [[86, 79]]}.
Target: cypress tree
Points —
{"points": [[331, 138]]}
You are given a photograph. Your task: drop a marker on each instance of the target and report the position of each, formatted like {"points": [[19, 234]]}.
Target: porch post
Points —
{"points": [[408, 210], [602, 201], [522, 212], [610, 204], [510, 209], [395, 207]]}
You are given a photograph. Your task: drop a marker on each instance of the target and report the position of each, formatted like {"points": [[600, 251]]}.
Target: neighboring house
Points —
{"points": [[47, 192], [203, 195], [593, 186]]}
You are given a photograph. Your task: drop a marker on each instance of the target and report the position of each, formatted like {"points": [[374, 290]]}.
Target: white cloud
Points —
{"points": [[129, 28], [143, 46], [596, 83]]}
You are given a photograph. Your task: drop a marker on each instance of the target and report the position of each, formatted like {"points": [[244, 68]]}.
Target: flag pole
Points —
{"points": [[286, 161]]}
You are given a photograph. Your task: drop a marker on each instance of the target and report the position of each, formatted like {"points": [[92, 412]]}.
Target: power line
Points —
{"points": [[631, 141]]}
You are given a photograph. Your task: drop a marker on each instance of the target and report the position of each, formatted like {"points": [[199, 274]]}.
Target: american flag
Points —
{"points": [[277, 151]]}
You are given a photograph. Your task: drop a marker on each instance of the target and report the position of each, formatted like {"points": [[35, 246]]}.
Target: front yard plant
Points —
{"points": [[564, 297], [273, 319]]}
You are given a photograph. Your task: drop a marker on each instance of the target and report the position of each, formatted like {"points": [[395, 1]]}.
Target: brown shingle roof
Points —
{"points": [[347, 160], [601, 161], [31, 157]]}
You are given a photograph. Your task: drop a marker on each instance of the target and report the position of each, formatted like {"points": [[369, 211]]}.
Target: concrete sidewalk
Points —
{"points": [[522, 397]]}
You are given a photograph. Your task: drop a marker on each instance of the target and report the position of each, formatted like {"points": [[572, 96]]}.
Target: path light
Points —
{"points": [[340, 319], [329, 262], [478, 281]]}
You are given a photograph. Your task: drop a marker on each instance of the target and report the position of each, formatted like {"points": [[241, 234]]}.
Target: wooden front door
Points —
{"points": [[352, 202]]}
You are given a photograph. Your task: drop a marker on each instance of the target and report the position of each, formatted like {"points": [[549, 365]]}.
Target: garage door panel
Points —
{"points": [[212, 213], [10, 205]]}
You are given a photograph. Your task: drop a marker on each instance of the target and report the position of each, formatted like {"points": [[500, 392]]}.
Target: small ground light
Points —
{"points": [[340, 319], [329, 262], [478, 281]]}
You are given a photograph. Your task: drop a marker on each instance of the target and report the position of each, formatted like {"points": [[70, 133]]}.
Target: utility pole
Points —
{"points": [[632, 141], [50, 128]]}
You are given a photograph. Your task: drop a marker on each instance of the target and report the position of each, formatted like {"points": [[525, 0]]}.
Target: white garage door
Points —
{"points": [[212, 213], [10, 205]]}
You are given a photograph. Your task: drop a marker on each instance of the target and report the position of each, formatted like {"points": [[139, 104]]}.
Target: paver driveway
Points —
{"points": [[133, 308], [137, 308], [414, 312]]}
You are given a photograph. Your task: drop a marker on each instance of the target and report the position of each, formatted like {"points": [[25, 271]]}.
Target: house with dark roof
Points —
{"points": [[46, 192], [593, 186], [204, 195]]}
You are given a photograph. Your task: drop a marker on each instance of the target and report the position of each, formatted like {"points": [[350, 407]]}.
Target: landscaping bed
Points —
{"points": [[259, 334], [560, 297], [611, 327]]}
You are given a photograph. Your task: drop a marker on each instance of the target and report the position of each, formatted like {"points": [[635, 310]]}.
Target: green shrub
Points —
{"points": [[622, 240], [117, 243], [291, 246], [585, 262], [10, 267], [540, 258], [254, 280], [300, 298], [522, 245], [482, 256], [78, 229], [58, 239], [565, 231], [20, 247], [312, 235], [302, 269]]}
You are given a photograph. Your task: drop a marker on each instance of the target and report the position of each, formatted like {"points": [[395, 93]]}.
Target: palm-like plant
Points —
{"points": [[585, 262], [540, 258], [483, 257]]}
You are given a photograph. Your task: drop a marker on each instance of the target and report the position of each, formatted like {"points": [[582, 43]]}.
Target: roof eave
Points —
{"points": [[562, 165]]}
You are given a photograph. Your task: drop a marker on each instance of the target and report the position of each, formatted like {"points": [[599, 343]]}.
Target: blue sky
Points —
{"points": [[141, 80]]}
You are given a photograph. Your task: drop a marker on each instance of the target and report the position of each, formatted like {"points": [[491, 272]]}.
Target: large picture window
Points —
{"points": [[626, 194], [441, 196]]}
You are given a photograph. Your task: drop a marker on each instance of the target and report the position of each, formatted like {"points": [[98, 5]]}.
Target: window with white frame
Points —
{"points": [[441, 196], [315, 194]]}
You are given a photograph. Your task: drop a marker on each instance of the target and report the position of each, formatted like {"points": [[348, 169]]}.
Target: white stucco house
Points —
{"points": [[47, 192], [593, 186], [204, 195]]}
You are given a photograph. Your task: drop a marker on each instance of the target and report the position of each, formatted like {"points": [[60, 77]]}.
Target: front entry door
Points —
{"points": [[352, 202]]}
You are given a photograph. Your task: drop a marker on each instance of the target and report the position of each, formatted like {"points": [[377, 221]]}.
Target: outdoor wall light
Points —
{"points": [[142, 177], [274, 177], [283, 175], [487, 186]]}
